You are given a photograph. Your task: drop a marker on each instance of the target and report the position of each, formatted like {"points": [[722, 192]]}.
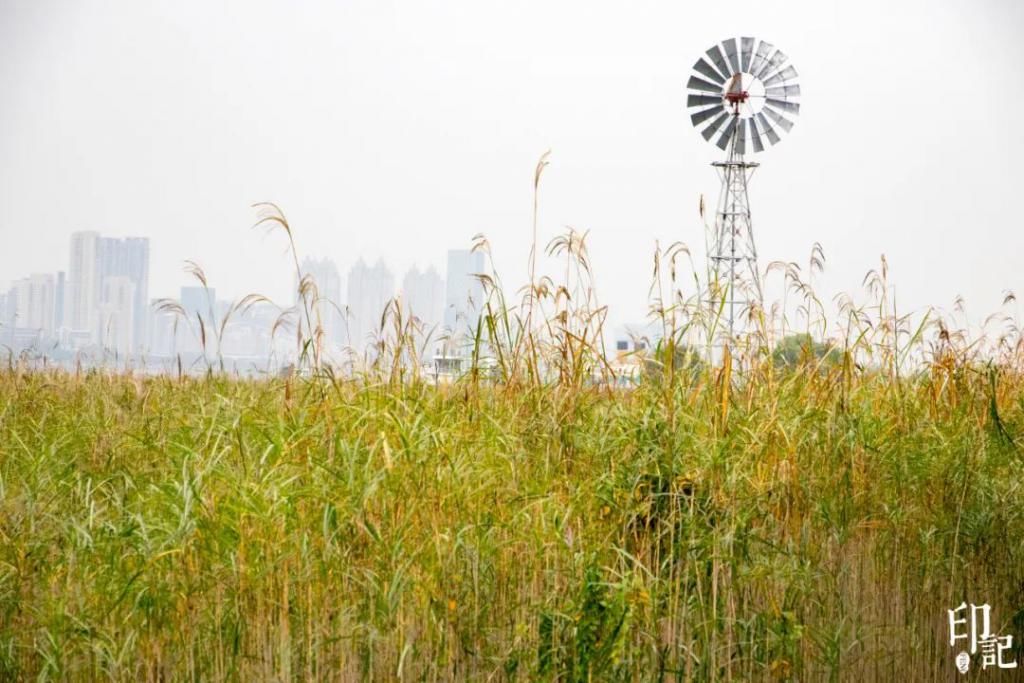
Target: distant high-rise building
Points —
{"points": [[83, 284], [31, 305], [128, 257], [330, 301], [464, 292], [58, 301], [93, 260], [423, 295], [369, 289], [117, 314]]}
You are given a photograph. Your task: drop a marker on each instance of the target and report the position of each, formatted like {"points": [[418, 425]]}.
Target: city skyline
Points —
{"points": [[236, 288], [99, 300]]}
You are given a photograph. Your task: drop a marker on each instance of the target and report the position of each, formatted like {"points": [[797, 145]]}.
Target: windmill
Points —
{"points": [[742, 97]]}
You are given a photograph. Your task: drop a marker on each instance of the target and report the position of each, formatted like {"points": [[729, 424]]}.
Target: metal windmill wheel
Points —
{"points": [[744, 92]]}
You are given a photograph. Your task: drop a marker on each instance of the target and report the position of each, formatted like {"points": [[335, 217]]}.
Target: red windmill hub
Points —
{"points": [[736, 95]]}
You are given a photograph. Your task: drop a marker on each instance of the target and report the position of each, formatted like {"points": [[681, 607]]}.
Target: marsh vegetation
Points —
{"points": [[747, 519]]}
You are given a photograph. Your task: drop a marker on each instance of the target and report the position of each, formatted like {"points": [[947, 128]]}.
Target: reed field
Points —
{"points": [[806, 517]]}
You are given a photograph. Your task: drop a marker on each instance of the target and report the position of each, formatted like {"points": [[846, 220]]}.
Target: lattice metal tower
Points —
{"points": [[742, 92]]}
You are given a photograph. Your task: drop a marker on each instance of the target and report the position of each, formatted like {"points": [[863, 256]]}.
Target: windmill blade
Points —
{"points": [[755, 137], [784, 105], [774, 64], [783, 91], [702, 116], [730, 52], [769, 132], [778, 118], [786, 74], [706, 69], [741, 137], [696, 83], [746, 52], [723, 141], [702, 100], [767, 66], [764, 49], [718, 59], [714, 126]]}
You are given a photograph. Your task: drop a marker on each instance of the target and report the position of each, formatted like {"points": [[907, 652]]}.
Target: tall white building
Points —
{"points": [[31, 304], [369, 289], [128, 257], [117, 314], [423, 296], [464, 293], [94, 259], [81, 299], [331, 300]]}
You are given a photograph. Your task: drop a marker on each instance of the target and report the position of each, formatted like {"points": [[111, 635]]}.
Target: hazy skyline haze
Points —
{"points": [[400, 130]]}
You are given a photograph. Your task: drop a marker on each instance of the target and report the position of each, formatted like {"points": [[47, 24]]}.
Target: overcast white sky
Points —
{"points": [[400, 129]]}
